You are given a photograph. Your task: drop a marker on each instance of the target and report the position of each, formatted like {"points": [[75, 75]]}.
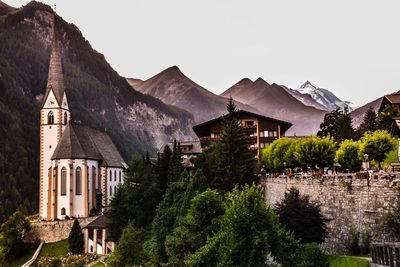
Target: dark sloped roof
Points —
{"points": [[99, 223], [194, 147], [393, 98], [82, 142], [284, 124], [55, 79]]}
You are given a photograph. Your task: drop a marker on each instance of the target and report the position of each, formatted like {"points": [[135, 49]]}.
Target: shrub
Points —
{"points": [[75, 239], [315, 152], [348, 155], [377, 145]]}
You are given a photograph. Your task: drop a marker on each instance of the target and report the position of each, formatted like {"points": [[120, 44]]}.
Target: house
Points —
{"points": [[189, 149], [80, 167], [261, 129], [392, 99], [96, 237]]}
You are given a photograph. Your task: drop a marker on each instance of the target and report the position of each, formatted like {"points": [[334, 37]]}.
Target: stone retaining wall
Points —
{"points": [[54, 231], [349, 203]]}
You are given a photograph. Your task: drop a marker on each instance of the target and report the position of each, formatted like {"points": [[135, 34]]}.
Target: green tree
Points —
{"points": [[349, 156], [163, 167], [12, 234], [385, 117], [249, 232], [175, 166], [377, 145], [129, 249], [174, 205], [75, 239], [276, 155], [228, 161], [369, 123], [192, 231], [315, 152], [137, 199], [302, 216], [337, 124]]}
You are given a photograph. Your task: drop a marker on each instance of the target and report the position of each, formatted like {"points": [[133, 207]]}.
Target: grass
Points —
{"points": [[347, 261], [56, 249], [99, 264]]}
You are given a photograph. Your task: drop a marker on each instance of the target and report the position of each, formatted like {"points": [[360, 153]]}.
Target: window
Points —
{"points": [[119, 176], [110, 176], [261, 134], [65, 117], [63, 211], [262, 145], [115, 176], [110, 190], [63, 181], [115, 189], [78, 181], [249, 123], [50, 118]]}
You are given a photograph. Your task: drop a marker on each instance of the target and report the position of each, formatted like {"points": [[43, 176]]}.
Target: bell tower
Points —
{"points": [[54, 116]]}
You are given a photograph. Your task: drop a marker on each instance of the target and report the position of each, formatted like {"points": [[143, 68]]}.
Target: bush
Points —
{"points": [[310, 255], [377, 145], [302, 216], [315, 152], [348, 155], [352, 246], [276, 155]]}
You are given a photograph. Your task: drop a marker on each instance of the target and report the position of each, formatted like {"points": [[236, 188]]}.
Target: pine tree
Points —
{"points": [[369, 123], [163, 167], [75, 239], [229, 159], [175, 165]]}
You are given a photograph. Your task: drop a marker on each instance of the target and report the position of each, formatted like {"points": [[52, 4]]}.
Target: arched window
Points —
{"points": [[78, 181], [115, 176], [110, 176], [63, 181], [50, 118], [115, 189], [63, 211], [65, 118], [110, 190], [119, 176]]}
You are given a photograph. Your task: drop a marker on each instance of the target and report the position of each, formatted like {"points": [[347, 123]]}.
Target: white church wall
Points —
{"points": [[115, 179], [91, 164], [63, 200], [78, 203]]}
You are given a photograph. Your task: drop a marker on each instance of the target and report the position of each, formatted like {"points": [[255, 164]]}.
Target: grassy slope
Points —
{"points": [[347, 261], [57, 249]]}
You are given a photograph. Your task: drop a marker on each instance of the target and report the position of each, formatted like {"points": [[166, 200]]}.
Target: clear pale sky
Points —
{"points": [[349, 47]]}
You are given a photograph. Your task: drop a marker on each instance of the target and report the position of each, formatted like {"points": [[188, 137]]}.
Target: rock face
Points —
{"points": [[275, 101], [349, 203], [173, 87]]}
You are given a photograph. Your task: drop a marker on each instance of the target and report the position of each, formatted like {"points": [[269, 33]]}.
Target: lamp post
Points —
{"points": [[366, 162]]}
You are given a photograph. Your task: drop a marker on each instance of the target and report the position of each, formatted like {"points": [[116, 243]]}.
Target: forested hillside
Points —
{"points": [[98, 97]]}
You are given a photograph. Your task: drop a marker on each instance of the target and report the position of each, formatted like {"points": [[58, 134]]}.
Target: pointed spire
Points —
{"points": [[55, 80]]}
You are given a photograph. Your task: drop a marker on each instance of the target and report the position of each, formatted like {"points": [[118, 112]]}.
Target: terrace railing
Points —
{"points": [[385, 254]]}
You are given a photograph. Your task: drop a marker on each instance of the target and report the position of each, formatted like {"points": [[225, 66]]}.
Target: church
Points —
{"points": [[80, 167]]}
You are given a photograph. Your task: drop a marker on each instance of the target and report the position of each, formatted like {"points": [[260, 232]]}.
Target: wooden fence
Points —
{"points": [[385, 254]]}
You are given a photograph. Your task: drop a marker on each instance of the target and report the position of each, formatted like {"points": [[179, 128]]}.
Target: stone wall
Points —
{"points": [[349, 203], [54, 231]]}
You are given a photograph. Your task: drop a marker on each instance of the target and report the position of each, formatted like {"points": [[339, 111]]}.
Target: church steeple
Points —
{"points": [[55, 80]]}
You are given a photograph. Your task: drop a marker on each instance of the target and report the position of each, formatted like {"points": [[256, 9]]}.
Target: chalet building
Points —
{"points": [[80, 168], [263, 130], [190, 150], [393, 99]]}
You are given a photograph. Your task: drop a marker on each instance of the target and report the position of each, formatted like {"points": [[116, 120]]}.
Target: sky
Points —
{"points": [[349, 47]]}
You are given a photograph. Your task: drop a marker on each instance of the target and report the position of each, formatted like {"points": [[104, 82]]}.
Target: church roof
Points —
{"points": [[55, 79], [82, 142]]}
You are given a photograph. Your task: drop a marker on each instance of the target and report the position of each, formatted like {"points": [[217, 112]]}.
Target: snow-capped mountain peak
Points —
{"points": [[324, 97]]}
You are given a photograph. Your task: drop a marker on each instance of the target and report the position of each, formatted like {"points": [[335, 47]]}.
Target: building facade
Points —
{"points": [[80, 168], [261, 129]]}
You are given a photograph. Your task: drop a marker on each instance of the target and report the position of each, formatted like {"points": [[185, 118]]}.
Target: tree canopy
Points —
{"points": [[302, 216], [377, 145], [337, 124], [349, 155]]}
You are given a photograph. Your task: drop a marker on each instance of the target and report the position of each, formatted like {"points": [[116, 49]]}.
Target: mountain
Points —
{"points": [[306, 99], [323, 97], [173, 87], [97, 95], [275, 101], [358, 114]]}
